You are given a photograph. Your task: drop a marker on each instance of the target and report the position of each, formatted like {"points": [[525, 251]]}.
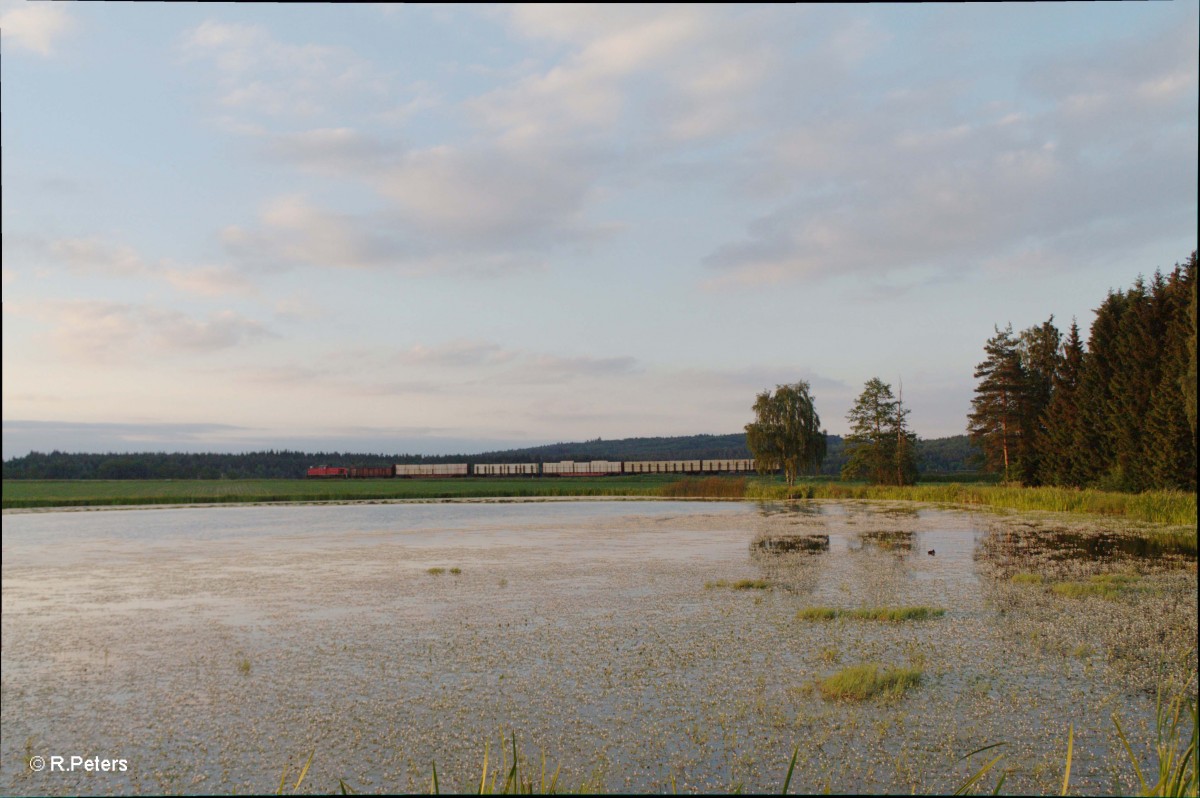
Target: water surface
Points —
{"points": [[210, 648]]}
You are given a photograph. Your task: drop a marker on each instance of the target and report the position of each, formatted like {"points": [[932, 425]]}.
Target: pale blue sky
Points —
{"points": [[437, 229]]}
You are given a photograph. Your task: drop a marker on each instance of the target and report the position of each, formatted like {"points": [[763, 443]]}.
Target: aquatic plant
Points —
{"points": [[871, 613], [456, 570], [741, 584], [860, 682], [517, 782], [1107, 586], [436, 571], [1026, 578], [1176, 759]]}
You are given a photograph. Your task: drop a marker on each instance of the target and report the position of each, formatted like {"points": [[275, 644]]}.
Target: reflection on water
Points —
{"points": [[212, 647], [779, 544], [899, 541]]}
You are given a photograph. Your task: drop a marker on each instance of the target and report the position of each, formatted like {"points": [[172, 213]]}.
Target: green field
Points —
{"points": [[1174, 508], [83, 493]]}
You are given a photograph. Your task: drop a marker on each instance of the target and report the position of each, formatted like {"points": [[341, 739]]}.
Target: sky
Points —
{"points": [[418, 229]]}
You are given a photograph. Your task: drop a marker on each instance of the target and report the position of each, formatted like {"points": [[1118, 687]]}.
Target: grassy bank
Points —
{"points": [[1160, 507], [1175, 508]]}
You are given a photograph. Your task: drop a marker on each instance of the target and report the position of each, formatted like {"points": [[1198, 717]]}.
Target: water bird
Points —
{"points": [[931, 552]]}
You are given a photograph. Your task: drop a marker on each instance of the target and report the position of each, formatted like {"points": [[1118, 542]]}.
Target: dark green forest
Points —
{"points": [[943, 455], [1116, 413]]}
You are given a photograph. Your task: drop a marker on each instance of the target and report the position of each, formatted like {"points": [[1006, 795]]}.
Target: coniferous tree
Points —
{"points": [[1168, 444], [1188, 380], [880, 447], [1060, 462], [995, 422], [1093, 440], [1040, 359]]}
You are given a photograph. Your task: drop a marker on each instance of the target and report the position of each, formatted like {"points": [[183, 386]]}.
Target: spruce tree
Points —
{"points": [[995, 422], [880, 447], [1093, 440], [1168, 443], [1061, 462], [1040, 359]]}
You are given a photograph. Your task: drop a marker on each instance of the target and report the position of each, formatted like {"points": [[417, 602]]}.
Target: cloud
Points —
{"points": [[100, 257], [261, 75], [94, 255], [97, 331], [35, 26], [293, 231], [335, 151], [924, 182]]}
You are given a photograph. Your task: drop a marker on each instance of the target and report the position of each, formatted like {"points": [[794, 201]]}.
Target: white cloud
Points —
{"points": [[261, 74], [95, 255], [102, 332], [35, 26]]}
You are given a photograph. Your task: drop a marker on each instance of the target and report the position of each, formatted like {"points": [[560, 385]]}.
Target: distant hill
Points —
{"points": [[940, 455]]}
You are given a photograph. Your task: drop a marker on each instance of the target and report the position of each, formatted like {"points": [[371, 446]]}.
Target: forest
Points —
{"points": [[939, 456], [1116, 413]]}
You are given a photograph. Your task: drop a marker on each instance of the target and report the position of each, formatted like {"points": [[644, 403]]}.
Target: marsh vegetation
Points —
{"points": [[586, 629]]}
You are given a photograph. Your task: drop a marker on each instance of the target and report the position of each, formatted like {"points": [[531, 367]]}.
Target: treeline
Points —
{"points": [[943, 455], [1116, 414], [270, 464]]}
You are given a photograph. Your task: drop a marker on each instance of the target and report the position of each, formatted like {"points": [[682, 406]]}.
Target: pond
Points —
{"points": [[211, 648]]}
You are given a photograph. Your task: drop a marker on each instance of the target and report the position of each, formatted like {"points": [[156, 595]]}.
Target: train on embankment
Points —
{"points": [[563, 468]]}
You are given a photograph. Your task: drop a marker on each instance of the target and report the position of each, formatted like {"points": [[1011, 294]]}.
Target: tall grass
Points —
{"points": [[706, 488], [860, 682], [1176, 508]]}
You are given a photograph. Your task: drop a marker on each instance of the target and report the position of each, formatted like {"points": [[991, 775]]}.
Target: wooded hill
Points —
{"points": [[941, 455]]}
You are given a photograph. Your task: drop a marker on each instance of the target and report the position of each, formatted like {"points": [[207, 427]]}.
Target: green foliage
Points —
{"points": [[786, 432], [1119, 415], [995, 421], [880, 447]]}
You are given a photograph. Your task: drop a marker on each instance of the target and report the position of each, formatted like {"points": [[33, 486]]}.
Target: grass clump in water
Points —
{"points": [[741, 584], [436, 571], [894, 614], [456, 570], [1106, 586], [860, 682]]}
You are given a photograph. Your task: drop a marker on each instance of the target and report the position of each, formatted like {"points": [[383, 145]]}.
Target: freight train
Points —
{"points": [[564, 468]]}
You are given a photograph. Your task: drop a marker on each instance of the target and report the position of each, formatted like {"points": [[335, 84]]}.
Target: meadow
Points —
{"points": [[1172, 508]]}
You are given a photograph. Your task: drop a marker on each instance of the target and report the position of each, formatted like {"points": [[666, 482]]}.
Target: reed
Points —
{"points": [[706, 488], [1175, 508]]}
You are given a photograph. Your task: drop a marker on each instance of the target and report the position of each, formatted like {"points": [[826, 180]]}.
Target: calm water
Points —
{"points": [[212, 647]]}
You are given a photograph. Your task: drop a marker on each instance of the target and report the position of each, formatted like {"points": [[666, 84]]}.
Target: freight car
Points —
{"points": [[433, 470], [564, 468], [592, 468], [324, 472]]}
